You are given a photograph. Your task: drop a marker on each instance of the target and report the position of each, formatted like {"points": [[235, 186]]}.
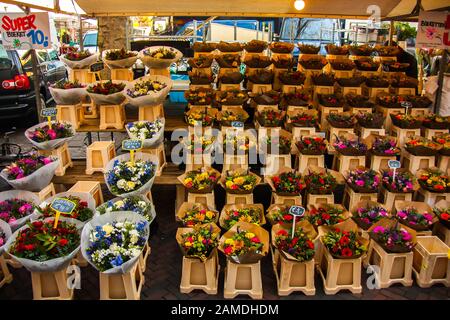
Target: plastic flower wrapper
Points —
{"points": [[341, 120], [31, 173], [416, 215], [159, 57], [321, 180], [350, 145], [68, 93], [113, 242], [326, 214], [5, 233], [191, 214], [382, 145], [231, 97], [434, 121], [367, 64], [239, 181], [199, 242], [79, 59], [286, 182], [226, 118], [336, 50], [41, 248], [234, 213], [420, 146], [270, 118], [442, 211], [433, 180], [138, 204], [330, 100], [83, 212], [406, 121], [151, 133], [293, 78], [343, 241], [370, 120], [125, 179], [360, 50], [303, 118], [366, 213], [298, 248], [363, 180], [109, 92], [17, 206], [148, 90], [308, 49], [311, 145], [279, 214], [404, 182], [45, 138], [393, 236], [276, 143], [256, 46], [119, 58], [245, 243], [202, 180]]}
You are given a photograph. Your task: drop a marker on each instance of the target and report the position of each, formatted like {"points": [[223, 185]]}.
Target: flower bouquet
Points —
{"points": [[229, 61], [257, 61], [404, 82], [138, 204], [278, 214], [355, 81], [323, 79], [234, 213], [366, 213], [191, 214], [387, 51], [159, 57], [199, 97], [420, 101], [45, 138], [363, 180], [40, 247], [125, 178], [382, 145], [227, 117], [292, 78], [342, 64], [392, 66], [120, 59], [362, 50], [370, 120], [404, 181], [68, 92], [367, 64], [330, 100], [392, 236], [358, 101], [313, 62], [151, 133], [239, 181], [297, 98], [200, 116], [308, 49], [79, 59], [311, 145], [202, 180], [83, 211], [245, 243], [16, 207], [270, 118], [443, 140], [5, 233], [349, 145], [231, 98], [256, 46], [231, 78], [321, 180], [223, 46], [237, 144], [341, 120], [281, 47], [268, 98], [306, 118], [326, 214], [442, 211], [31, 173], [201, 62], [298, 247], [199, 144], [199, 242], [336, 50], [433, 180], [434, 121], [261, 76], [110, 92], [277, 143], [417, 215], [281, 62], [406, 121], [390, 100], [345, 244], [148, 90], [420, 146], [377, 82], [286, 183], [113, 242], [204, 46]]}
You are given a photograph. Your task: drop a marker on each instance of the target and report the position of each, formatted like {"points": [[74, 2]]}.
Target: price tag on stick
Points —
{"points": [[49, 113], [132, 145], [394, 164], [61, 205], [237, 124], [296, 211]]}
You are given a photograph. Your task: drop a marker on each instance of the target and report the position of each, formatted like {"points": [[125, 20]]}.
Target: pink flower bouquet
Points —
{"points": [[48, 138]]}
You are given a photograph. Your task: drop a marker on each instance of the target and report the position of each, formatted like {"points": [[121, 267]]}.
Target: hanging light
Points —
{"points": [[299, 5]]}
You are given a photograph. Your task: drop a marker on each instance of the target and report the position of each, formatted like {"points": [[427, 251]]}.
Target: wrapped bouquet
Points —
{"points": [[268, 98], [256, 46], [434, 121], [313, 62], [281, 47], [404, 181], [323, 79], [406, 121], [239, 181], [110, 92], [231, 98], [227, 117], [257, 61], [366, 213], [16, 206], [79, 59], [355, 81], [281, 62], [297, 247], [199, 242], [330, 100], [367, 64], [326, 214], [336, 50], [229, 61], [320, 181], [237, 144], [390, 100], [308, 49], [151, 133], [159, 57], [261, 76], [361, 50], [234, 213], [342, 64], [293, 78], [138, 204], [279, 214], [442, 211], [68, 92], [312, 145], [201, 180], [120, 59], [306, 118], [270, 118], [417, 215], [286, 183], [83, 211], [44, 137], [350, 145], [148, 90], [358, 101], [370, 120], [392, 236], [341, 120], [191, 214], [363, 180], [199, 144], [433, 180], [201, 62], [200, 96], [342, 244], [420, 146], [277, 143], [382, 145]]}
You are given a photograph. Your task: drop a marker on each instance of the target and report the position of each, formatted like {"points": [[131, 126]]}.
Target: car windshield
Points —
{"points": [[5, 60], [90, 40]]}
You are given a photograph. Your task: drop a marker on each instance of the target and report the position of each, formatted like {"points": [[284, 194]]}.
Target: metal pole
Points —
{"points": [[204, 31], [80, 20], [235, 30], [257, 31], [37, 83], [442, 67]]}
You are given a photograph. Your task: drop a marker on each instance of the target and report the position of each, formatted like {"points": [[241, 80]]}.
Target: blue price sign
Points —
{"points": [[131, 144], [63, 205], [48, 112], [394, 164], [297, 211], [237, 124]]}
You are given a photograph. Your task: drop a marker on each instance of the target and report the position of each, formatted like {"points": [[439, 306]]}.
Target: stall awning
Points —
{"points": [[405, 7]]}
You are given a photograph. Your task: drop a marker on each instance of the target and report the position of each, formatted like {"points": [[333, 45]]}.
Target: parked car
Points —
{"points": [[17, 95], [90, 41]]}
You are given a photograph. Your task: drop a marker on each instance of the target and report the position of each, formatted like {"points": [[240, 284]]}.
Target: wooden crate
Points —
{"points": [[351, 198], [92, 187], [90, 111], [47, 192], [81, 75], [386, 113], [322, 90], [231, 162], [161, 154], [51, 285], [394, 267], [5, 276], [442, 232], [287, 88], [74, 114], [384, 59], [151, 113], [343, 73], [344, 163], [199, 86], [403, 134], [125, 286], [404, 91], [390, 198], [287, 200], [261, 108], [160, 72], [296, 108], [243, 279], [419, 111], [304, 161], [276, 161], [430, 262], [431, 198], [112, 116], [239, 198], [228, 87], [346, 90], [414, 163], [378, 163], [63, 154], [147, 250], [260, 88], [303, 131], [205, 198], [122, 74], [198, 275], [98, 154], [373, 92], [443, 163], [315, 199]]}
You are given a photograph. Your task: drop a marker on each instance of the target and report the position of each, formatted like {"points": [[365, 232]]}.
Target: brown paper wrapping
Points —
{"points": [[389, 223], [240, 171], [365, 204], [275, 207], [346, 214], [421, 171], [358, 189], [296, 148], [252, 257], [236, 111], [186, 206], [207, 190], [416, 185], [182, 231], [268, 179], [421, 207], [315, 169], [293, 113], [370, 139], [210, 111], [228, 207]]}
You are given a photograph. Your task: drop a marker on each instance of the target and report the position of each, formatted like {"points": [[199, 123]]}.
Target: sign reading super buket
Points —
{"points": [[25, 31], [433, 30]]}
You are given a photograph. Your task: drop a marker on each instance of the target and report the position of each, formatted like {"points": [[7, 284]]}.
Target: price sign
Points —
{"points": [[237, 124], [132, 145], [406, 104], [296, 211], [61, 205], [321, 134], [49, 113], [96, 67], [394, 164]]}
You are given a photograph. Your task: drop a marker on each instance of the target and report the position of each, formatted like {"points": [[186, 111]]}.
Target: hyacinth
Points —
{"points": [[57, 130], [14, 209], [364, 178], [403, 182], [26, 166]]}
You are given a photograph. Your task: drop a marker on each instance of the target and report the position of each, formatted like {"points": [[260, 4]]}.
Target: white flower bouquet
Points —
{"points": [[159, 57], [148, 90], [138, 204], [151, 133]]}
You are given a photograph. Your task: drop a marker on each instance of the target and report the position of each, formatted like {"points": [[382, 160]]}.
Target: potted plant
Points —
{"points": [[390, 100]]}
